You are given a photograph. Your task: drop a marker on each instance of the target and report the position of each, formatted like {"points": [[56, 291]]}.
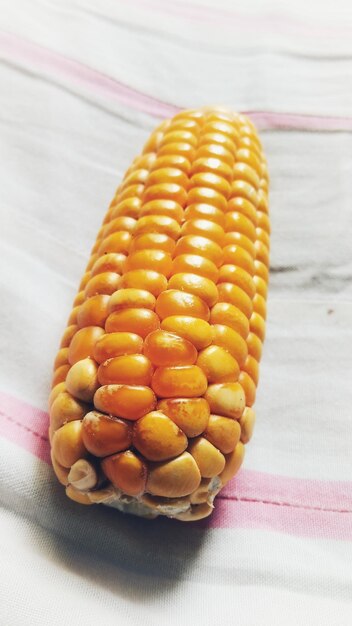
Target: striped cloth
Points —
{"points": [[82, 85]]}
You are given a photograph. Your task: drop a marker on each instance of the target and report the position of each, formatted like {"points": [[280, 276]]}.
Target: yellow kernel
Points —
{"points": [[196, 330], [227, 338], [175, 302], [218, 365], [158, 438], [117, 344], [208, 458], [227, 399], [187, 380], [167, 349], [229, 315], [223, 432], [82, 379], [131, 298], [127, 401], [138, 321], [67, 444], [174, 479], [144, 279], [247, 423], [190, 414], [199, 286], [83, 342]]}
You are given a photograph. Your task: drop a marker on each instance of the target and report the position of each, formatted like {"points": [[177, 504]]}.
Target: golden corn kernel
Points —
{"points": [[208, 458], [205, 212], [228, 292], [65, 408], [247, 422], [145, 279], [61, 358], [138, 321], [167, 349], [234, 461], [249, 388], [243, 171], [167, 175], [227, 399], [59, 388], [127, 472], [127, 401], [257, 325], [251, 366], [105, 283], [129, 207], [104, 435], [244, 207], [227, 338], [175, 302], [211, 165], [187, 380], [156, 260], [261, 286], [153, 241], [207, 195], [116, 242], [117, 344], [204, 228], [196, 285], [196, 244], [235, 255], [131, 299], [172, 160], [122, 223], [83, 342], [93, 312], [170, 208], [238, 239], [237, 222], [60, 374], [190, 414], [223, 432], [174, 479], [261, 270], [227, 314], [195, 264], [259, 305], [129, 369], [158, 224], [68, 334], [218, 365], [158, 438], [82, 379], [255, 346], [197, 331], [232, 274], [67, 444], [60, 471]]}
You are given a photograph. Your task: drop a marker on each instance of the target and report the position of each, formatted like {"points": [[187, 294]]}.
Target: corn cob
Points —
{"points": [[156, 376]]}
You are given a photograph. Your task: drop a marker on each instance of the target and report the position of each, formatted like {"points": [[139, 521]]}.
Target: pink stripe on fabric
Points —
{"points": [[25, 425], [252, 500], [240, 21], [289, 519], [50, 62], [29, 53]]}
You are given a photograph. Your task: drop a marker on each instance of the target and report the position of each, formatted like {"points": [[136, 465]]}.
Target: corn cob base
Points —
{"points": [[157, 371]]}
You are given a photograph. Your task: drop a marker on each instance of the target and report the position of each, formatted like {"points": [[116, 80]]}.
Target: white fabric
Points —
{"points": [[63, 150]]}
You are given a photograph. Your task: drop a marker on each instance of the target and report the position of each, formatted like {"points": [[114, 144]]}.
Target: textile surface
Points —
{"points": [[83, 83]]}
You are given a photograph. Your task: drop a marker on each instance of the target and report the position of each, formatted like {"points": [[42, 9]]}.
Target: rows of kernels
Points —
{"points": [[178, 281]]}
